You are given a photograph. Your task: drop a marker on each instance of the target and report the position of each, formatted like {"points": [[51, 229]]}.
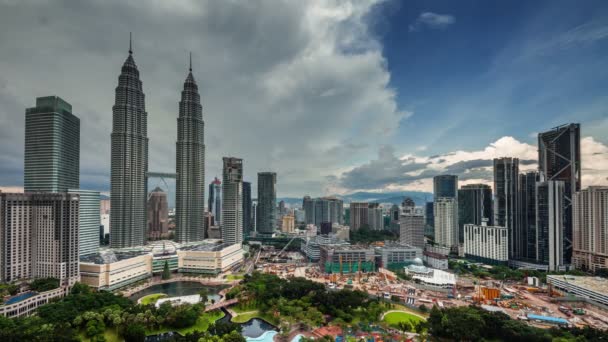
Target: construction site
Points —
{"points": [[525, 300]]}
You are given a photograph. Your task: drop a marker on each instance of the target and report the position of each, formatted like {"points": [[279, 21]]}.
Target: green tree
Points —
{"points": [[404, 326], [166, 272], [134, 333]]}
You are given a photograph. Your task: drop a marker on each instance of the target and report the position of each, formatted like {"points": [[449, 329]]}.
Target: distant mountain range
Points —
{"points": [[375, 197]]}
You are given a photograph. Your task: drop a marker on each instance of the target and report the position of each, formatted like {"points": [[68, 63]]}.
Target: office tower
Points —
{"points": [[446, 221], [52, 146], [324, 209], [326, 228], [282, 208], [158, 215], [215, 200], [232, 206], [550, 197], [190, 165], [487, 244], [129, 160], [254, 214], [247, 226], [474, 205], [527, 213], [408, 203], [39, 236], [506, 201], [89, 221], [309, 210], [300, 215], [559, 159], [411, 227], [267, 203], [375, 218], [429, 216], [445, 186], [394, 213], [591, 228]]}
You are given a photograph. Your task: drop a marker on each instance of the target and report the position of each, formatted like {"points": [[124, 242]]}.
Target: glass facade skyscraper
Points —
{"points": [[474, 205], [559, 159], [247, 226], [129, 160], [267, 206], [445, 186], [506, 201], [232, 206], [190, 165], [52, 146]]}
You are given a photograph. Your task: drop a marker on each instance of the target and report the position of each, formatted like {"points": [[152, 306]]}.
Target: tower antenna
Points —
{"points": [[130, 43], [190, 61]]}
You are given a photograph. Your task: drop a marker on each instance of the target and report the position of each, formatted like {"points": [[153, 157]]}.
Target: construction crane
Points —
{"points": [[276, 258]]}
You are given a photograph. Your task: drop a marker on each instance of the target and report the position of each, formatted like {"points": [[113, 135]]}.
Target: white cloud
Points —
{"points": [[415, 172], [432, 20]]}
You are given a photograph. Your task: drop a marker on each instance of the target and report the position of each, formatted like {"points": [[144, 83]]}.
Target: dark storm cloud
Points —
{"points": [[278, 88]]}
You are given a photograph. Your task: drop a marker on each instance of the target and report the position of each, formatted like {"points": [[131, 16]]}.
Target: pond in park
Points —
{"points": [[180, 288]]}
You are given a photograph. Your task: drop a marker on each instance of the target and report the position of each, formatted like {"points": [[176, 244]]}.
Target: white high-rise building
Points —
{"points": [[591, 228], [445, 212], [232, 207], [411, 224], [488, 244]]}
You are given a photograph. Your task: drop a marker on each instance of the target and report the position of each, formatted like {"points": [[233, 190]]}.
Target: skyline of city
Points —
{"points": [[408, 148]]}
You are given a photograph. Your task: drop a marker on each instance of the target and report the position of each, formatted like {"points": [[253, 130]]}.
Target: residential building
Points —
{"points": [[89, 221], [487, 244], [129, 160], [375, 217], [190, 165], [158, 215], [559, 159], [591, 228], [247, 218], [550, 230], [506, 202], [474, 205], [267, 203], [39, 236], [358, 214], [232, 206], [52, 146], [215, 200], [288, 224], [446, 221]]}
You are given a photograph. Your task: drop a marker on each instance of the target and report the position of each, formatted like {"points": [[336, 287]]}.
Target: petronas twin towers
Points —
{"points": [[129, 162]]}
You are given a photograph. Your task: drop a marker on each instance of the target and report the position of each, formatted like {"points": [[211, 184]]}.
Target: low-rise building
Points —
{"points": [[594, 289], [112, 269], [346, 259], [109, 270], [432, 278], [209, 257], [311, 246], [397, 255], [341, 232], [26, 303]]}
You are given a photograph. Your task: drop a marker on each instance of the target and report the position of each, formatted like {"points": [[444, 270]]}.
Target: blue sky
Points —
{"points": [[501, 68], [336, 96]]}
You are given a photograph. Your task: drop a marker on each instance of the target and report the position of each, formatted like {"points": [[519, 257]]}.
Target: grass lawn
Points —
{"points": [[202, 324], [244, 317], [232, 277], [111, 335], [152, 298], [393, 318]]}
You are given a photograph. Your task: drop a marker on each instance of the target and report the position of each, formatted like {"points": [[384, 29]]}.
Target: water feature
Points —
{"points": [[256, 327], [180, 288], [20, 297]]}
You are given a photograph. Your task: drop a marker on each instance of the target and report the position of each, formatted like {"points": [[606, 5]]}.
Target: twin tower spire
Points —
{"points": [[129, 161]]}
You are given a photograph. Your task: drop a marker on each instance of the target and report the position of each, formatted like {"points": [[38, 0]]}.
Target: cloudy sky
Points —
{"points": [[335, 96]]}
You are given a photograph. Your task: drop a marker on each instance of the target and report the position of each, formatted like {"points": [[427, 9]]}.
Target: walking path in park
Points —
{"points": [[129, 291]]}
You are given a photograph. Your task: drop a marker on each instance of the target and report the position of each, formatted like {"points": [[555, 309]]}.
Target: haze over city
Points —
{"points": [[336, 97]]}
